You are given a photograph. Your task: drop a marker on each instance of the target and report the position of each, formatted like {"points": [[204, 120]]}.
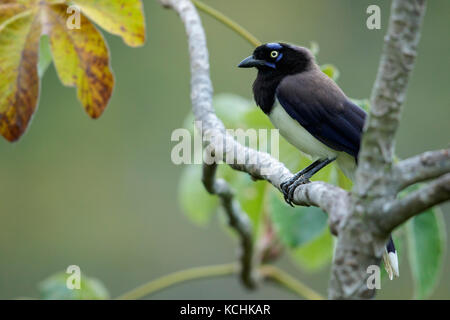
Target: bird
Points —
{"points": [[312, 113]]}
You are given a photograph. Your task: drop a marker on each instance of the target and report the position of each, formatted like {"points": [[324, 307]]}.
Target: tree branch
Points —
{"points": [[177, 278], [425, 166], [273, 273], [361, 240], [398, 211], [388, 96], [237, 219]]}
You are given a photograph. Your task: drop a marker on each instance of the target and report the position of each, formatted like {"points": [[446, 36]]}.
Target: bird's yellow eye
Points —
{"points": [[274, 54]]}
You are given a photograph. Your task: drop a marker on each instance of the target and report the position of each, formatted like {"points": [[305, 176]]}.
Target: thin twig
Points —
{"points": [[237, 219], [233, 25], [288, 281], [179, 277], [269, 272]]}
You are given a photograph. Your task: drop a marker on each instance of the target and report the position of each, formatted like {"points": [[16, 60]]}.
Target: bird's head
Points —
{"points": [[279, 58]]}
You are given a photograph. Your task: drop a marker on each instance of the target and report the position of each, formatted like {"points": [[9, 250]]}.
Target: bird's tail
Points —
{"points": [[391, 260]]}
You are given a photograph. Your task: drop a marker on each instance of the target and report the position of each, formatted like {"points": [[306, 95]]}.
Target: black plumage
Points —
{"points": [[308, 96], [322, 108]]}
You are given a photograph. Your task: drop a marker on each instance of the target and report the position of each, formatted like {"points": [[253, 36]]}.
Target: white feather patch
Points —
{"points": [[391, 264], [300, 138]]}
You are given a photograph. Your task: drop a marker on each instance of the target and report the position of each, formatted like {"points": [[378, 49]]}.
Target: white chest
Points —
{"points": [[299, 137]]}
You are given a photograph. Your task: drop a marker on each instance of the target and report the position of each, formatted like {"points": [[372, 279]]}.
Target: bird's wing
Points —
{"points": [[318, 104]]}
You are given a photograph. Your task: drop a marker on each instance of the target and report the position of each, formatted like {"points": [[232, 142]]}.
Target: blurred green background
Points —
{"points": [[101, 194]]}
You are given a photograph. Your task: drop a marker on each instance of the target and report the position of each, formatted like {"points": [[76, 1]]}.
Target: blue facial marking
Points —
{"points": [[270, 64], [279, 57], [274, 46]]}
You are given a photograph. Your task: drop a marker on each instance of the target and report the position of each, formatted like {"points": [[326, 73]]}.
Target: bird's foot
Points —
{"points": [[288, 188]]}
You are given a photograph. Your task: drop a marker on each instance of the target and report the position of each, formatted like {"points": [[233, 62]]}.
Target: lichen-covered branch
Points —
{"points": [[237, 219], [361, 240], [397, 212], [389, 92], [425, 166]]}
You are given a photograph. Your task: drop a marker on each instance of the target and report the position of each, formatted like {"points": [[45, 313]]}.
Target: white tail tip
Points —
{"points": [[391, 264]]}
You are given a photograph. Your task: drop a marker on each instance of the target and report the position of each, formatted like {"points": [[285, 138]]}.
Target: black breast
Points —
{"points": [[264, 89]]}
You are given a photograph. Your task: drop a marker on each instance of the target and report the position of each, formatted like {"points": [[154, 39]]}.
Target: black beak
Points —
{"points": [[250, 62]]}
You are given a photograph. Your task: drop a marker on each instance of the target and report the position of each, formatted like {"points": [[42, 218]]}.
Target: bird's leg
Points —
{"points": [[302, 177], [285, 185]]}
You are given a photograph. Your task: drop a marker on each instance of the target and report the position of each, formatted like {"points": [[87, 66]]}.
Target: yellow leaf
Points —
{"points": [[19, 85], [81, 59], [10, 9], [120, 17], [26, 3], [80, 55]]}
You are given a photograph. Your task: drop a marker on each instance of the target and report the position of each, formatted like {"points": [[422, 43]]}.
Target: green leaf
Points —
{"points": [[328, 174], [256, 119], [189, 123], [362, 103], [45, 55], [314, 48], [250, 195], [231, 109], [195, 201], [315, 254], [291, 157], [296, 226], [55, 288], [342, 181], [426, 247], [235, 112], [330, 70]]}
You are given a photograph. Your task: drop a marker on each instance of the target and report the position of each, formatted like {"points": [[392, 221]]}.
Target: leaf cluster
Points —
{"points": [[33, 33]]}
